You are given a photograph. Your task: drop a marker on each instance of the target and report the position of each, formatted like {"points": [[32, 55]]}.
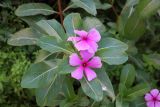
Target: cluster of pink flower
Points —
{"points": [[86, 44], [153, 98]]}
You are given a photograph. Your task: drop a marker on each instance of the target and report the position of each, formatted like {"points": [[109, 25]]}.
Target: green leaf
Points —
{"points": [[113, 45], [51, 45], [135, 27], [31, 9], [92, 89], [23, 37], [130, 23], [106, 83], [128, 75], [93, 22], [38, 75], [52, 28], [42, 55], [68, 89], [103, 6], [64, 67], [136, 91], [150, 8], [121, 103], [50, 95], [87, 5], [71, 22], [112, 51], [138, 102]]}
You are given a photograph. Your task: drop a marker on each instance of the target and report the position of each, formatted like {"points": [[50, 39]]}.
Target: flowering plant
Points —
{"points": [[75, 56]]}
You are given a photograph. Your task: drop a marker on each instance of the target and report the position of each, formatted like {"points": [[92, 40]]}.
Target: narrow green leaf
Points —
{"points": [[52, 28], [93, 22], [92, 89], [23, 37], [38, 75], [111, 44], [71, 22], [121, 103], [112, 51], [87, 5], [103, 6], [51, 45], [50, 95], [151, 8], [128, 75], [138, 90], [42, 55], [31, 9], [106, 83], [64, 67], [68, 89]]}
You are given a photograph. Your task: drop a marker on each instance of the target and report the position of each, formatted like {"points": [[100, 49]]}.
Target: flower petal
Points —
{"points": [[154, 92], [157, 104], [158, 97], [74, 39], [93, 46], [95, 62], [86, 55], [94, 35], [90, 74], [82, 45], [74, 59], [81, 33], [150, 104], [148, 97], [78, 73]]}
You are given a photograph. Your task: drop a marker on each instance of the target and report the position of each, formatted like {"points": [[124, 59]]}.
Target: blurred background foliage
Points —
{"points": [[145, 54]]}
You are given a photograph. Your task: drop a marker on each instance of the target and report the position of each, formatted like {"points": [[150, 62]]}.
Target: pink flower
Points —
{"points": [[86, 40], [84, 65], [153, 98]]}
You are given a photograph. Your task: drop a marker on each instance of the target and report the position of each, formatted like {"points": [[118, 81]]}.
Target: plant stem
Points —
{"points": [[60, 11], [113, 8]]}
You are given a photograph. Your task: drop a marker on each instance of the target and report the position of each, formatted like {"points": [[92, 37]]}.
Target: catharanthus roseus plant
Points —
{"points": [[77, 53]]}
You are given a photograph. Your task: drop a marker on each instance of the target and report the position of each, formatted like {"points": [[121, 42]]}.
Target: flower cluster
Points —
{"points": [[86, 44], [153, 98]]}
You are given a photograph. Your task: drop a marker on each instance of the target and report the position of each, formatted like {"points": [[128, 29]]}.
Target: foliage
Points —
{"points": [[129, 49]]}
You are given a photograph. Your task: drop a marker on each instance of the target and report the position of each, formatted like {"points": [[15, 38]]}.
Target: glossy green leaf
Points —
{"points": [[31, 9], [23, 37], [93, 22], [128, 75], [113, 45], [151, 8], [39, 75], [71, 22], [136, 91], [50, 44], [87, 5], [42, 55], [68, 89], [64, 66], [92, 89], [52, 28], [50, 95], [112, 51], [121, 103], [106, 83], [103, 6]]}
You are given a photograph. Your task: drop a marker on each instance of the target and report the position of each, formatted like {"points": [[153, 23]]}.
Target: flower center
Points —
{"points": [[154, 99], [84, 64], [84, 38]]}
